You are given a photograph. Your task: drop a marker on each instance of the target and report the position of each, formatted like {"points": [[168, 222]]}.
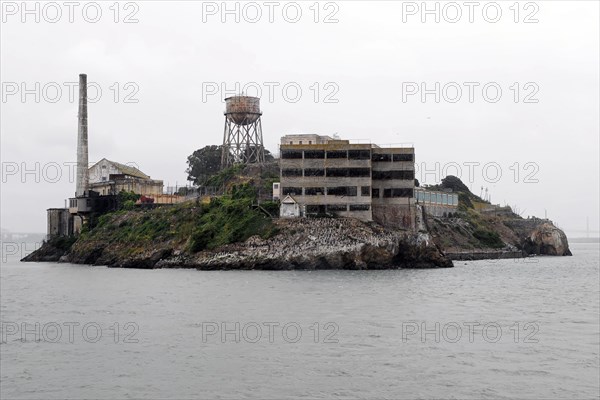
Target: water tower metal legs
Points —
{"points": [[242, 144]]}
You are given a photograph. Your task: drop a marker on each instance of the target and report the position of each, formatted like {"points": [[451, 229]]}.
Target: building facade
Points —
{"points": [[438, 204], [362, 181], [106, 180], [109, 178]]}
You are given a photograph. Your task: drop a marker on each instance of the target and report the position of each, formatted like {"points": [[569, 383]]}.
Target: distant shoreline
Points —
{"points": [[585, 240]]}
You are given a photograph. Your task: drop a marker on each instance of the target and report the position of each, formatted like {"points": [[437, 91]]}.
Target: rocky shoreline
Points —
{"points": [[127, 240], [340, 243]]}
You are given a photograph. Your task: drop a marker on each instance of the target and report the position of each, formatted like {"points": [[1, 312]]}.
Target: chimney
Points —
{"points": [[82, 140]]}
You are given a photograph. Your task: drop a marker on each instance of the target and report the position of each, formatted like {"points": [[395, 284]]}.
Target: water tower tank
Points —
{"points": [[242, 110]]}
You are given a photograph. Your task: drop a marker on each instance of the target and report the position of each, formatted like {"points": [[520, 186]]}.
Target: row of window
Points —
{"points": [[387, 175], [331, 191], [437, 198], [350, 191], [349, 173], [322, 208], [331, 172], [345, 154]]}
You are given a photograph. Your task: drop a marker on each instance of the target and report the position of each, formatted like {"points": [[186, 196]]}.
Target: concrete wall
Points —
{"points": [[135, 185], [399, 216], [60, 222], [388, 209], [305, 139], [289, 210], [100, 171], [438, 210]]}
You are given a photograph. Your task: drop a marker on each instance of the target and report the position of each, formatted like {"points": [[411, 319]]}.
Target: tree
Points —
{"points": [[454, 183], [268, 156], [203, 164]]}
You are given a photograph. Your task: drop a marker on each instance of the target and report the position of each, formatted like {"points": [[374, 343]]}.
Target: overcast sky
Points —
{"points": [[356, 68]]}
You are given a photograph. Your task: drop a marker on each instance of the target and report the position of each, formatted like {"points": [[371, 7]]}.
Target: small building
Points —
{"points": [[438, 204], [289, 208], [60, 222], [110, 177]]}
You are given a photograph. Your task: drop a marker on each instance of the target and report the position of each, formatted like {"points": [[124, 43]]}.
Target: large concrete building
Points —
{"points": [[362, 181]]}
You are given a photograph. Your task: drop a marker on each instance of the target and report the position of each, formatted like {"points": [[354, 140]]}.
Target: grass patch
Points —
{"points": [[62, 242], [190, 226], [229, 219], [224, 176]]}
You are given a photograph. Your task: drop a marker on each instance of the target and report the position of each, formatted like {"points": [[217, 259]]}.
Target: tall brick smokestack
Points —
{"points": [[82, 139]]}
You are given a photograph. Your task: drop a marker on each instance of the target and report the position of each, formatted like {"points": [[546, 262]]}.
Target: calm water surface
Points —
{"points": [[492, 329]]}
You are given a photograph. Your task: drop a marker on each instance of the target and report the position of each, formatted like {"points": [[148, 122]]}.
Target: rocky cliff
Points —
{"points": [[479, 230], [473, 235], [329, 243]]}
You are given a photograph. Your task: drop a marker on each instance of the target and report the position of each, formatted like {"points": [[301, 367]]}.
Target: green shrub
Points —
{"points": [[488, 238], [230, 219], [128, 205], [224, 176], [226, 219], [62, 242], [126, 196], [464, 200], [272, 207]]}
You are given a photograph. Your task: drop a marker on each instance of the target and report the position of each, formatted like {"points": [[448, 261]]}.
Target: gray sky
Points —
{"points": [[360, 67]]}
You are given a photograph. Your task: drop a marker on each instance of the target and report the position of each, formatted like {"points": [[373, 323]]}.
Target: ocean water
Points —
{"points": [[484, 329]]}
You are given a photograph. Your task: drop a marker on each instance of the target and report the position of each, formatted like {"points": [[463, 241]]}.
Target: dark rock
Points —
{"points": [[46, 253], [547, 239]]}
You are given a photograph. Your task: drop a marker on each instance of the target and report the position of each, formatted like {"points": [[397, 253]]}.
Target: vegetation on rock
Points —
{"points": [[229, 219], [454, 184]]}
